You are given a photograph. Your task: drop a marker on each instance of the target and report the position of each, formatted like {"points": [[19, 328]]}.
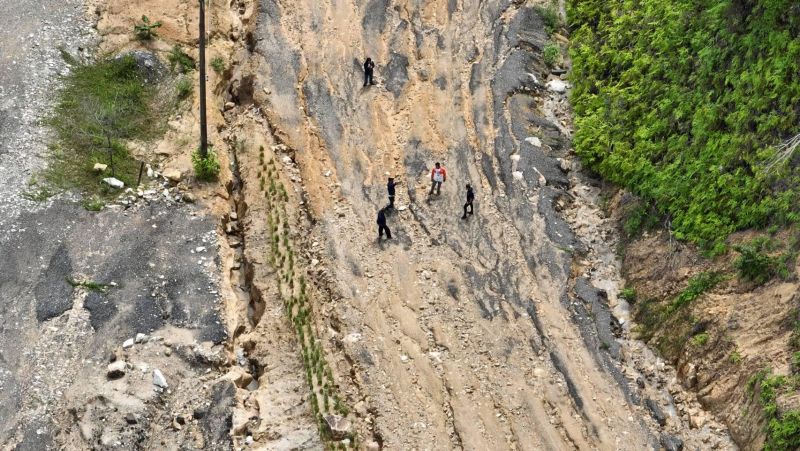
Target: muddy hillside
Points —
{"points": [[490, 331]]}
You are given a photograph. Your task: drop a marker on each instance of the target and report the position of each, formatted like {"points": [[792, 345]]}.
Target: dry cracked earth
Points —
{"points": [[501, 331]]}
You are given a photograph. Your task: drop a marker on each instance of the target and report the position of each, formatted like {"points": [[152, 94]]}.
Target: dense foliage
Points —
{"points": [[682, 102]]}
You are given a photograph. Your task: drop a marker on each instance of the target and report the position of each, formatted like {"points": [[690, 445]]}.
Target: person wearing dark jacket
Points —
{"points": [[470, 198], [390, 189], [369, 66], [382, 225]]}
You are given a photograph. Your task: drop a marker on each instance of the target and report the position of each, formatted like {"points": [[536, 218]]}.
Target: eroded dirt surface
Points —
{"points": [[489, 332]]}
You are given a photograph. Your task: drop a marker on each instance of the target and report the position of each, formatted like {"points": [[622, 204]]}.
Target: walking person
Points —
{"points": [[438, 176], [390, 189], [470, 198], [369, 66], [382, 225]]}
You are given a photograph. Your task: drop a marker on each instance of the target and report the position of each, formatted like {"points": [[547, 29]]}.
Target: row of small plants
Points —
{"points": [[299, 309]]}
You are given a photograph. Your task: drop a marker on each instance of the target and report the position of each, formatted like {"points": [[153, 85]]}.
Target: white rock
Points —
{"points": [[100, 167], [116, 370], [159, 380], [534, 141], [113, 182], [557, 86], [140, 338], [200, 249], [517, 175], [128, 343], [327, 173]]}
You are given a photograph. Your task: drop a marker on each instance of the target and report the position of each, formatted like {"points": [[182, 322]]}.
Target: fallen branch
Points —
{"points": [[784, 151]]}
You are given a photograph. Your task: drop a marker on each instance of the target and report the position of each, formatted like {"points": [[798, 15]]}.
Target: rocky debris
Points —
{"points": [[140, 338], [557, 86], [534, 141], [151, 68], [114, 182], [656, 412], [116, 370], [131, 418], [127, 344], [173, 175], [373, 446], [337, 426], [671, 443], [159, 380], [229, 106], [100, 167]]}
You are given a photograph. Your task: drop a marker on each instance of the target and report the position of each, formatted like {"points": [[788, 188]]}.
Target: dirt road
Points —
{"points": [[490, 332]]}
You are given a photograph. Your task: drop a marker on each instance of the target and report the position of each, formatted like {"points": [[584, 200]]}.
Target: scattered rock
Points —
{"points": [[100, 167], [671, 443], [140, 338], [373, 446], [115, 370], [239, 377], [127, 344], [159, 380], [174, 175], [180, 420], [534, 141], [131, 419], [113, 182], [656, 412], [229, 106], [338, 426], [189, 198], [198, 414], [557, 86]]}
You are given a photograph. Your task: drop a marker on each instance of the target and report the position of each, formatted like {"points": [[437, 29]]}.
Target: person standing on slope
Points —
{"points": [[438, 176], [382, 225], [390, 189], [369, 66], [470, 198]]}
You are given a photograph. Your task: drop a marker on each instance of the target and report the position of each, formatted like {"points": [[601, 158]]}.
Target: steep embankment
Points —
{"points": [[479, 333], [686, 105]]}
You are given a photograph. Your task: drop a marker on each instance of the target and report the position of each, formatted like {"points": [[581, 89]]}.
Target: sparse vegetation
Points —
{"points": [[629, 294], [146, 30], [101, 106], [93, 204], [754, 264], [89, 285], [735, 357], [698, 285], [700, 339], [206, 169], [549, 15], [218, 64], [180, 60], [184, 88], [299, 307], [551, 54], [783, 428]]}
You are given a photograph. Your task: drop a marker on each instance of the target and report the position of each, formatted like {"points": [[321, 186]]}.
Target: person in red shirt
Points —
{"points": [[438, 176]]}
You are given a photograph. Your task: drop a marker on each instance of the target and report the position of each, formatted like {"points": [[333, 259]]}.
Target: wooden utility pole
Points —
{"points": [[203, 124]]}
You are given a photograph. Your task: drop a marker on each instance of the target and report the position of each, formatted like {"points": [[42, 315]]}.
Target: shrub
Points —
{"points": [[754, 265], [549, 15], [551, 54], [180, 60], [700, 339], [93, 204], [218, 64], [206, 169], [698, 285], [145, 30], [735, 358], [184, 88], [629, 294]]}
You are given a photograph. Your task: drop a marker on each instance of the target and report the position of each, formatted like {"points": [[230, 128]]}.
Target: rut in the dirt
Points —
{"points": [[457, 333]]}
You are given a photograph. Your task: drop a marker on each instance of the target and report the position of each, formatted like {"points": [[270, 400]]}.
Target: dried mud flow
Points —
{"points": [[503, 330]]}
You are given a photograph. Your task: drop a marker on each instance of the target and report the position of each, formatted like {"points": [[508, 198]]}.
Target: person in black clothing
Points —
{"points": [[369, 66], [470, 198], [390, 189], [382, 225]]}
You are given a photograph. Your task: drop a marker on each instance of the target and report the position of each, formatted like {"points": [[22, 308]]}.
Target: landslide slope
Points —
{"points": [[456, 333]]}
